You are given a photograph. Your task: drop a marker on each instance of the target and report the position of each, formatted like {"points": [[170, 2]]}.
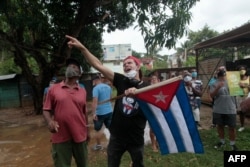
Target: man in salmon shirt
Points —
{"points": [[68, 123]]}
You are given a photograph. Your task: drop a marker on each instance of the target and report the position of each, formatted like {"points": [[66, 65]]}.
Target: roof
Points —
{"points": [[236, 37], [10, 76]]}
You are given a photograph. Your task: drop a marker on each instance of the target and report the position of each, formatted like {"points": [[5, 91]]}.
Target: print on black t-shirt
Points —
{"points": [[130, 106]]}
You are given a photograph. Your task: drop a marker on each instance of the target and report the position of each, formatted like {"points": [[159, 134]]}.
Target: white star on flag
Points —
{"points": [[160, 97]]}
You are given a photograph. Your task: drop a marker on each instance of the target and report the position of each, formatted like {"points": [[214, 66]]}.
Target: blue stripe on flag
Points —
{"points": [[187, 111], [154, 124], [175, 129], [173, 125]]}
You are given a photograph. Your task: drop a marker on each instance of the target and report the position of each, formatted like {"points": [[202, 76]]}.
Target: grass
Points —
{"points": [[210, 158]]}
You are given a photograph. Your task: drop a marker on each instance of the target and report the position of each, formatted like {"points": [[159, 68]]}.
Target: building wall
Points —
{"points": [[15, 92], [9, 94], [116, 52], [113, 56], [114, 66]]}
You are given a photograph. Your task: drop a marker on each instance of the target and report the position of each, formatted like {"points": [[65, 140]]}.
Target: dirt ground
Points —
{"points": [[25, 139]]}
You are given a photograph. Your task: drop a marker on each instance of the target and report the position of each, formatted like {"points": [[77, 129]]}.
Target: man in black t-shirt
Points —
{"points": [[128, 121]]}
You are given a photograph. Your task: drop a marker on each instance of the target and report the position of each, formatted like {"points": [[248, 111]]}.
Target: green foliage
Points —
{"points": [[159, 63], [33, 65], [210, 158], [37, 29], [42, 25], [163, 23], [195, 37], [136, 54], [190, 62], [201, 35], [8, 67], [145, 71]]}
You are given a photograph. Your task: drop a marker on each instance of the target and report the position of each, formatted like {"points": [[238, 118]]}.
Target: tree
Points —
{"points": [[136, 54], [201, 35], [195, 37], [36, 29]]}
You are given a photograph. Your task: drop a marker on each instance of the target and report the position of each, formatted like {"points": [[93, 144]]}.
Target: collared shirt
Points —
{"points": [[69, 106]]}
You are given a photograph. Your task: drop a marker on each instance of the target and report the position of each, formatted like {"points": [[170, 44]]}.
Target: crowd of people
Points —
{"points": [[66, 114], [225, 106]]}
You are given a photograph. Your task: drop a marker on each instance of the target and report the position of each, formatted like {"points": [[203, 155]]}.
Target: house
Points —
{"points": [[14, 91], [113, 56]]}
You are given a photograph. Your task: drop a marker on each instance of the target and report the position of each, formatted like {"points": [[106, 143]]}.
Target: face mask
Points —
{"points": [[194, 74], [221, 73], [131, 74], [71, 72], [187, 78], [242, 72]]}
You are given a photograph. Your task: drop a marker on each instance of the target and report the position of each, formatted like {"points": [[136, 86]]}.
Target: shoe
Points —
{"points": [[241, 129], [154, 148], [219, 145], [212, 126], [234, 148], [97, 147], [199, 127]]}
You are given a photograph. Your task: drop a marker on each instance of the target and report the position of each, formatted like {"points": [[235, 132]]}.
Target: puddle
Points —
{"points": [[10, 142]]}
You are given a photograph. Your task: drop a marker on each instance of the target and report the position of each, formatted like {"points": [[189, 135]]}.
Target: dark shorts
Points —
{"points": [[225, 119], [102, 119]]}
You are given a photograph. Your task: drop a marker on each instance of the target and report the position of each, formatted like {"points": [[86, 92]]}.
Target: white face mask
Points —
{"points": [[131, 74], [71, 72]]}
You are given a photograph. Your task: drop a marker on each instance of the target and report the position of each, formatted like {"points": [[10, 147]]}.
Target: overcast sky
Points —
{"points": [[219, 15]]}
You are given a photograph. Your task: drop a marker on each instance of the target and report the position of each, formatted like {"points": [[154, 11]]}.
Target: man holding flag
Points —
{"points": [[128, 122]]}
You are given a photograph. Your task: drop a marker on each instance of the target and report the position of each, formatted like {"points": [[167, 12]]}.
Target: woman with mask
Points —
{"points": [[197, 92], [244, 84]]}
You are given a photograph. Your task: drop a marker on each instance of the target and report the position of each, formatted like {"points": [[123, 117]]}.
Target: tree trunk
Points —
{"points": [[37, 83], [38, 100]]}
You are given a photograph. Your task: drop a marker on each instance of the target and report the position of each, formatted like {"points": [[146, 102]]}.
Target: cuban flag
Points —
{"points": [[174, 127]]}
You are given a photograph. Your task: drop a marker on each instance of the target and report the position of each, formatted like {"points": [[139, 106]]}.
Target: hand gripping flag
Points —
{"points": [[175, 130]]}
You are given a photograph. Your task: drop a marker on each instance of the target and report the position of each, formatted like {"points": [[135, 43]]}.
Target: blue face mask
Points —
{"points": [[194, 74]]}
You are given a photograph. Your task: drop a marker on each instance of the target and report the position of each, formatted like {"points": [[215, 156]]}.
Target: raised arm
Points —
{"points": [[92, 60]]}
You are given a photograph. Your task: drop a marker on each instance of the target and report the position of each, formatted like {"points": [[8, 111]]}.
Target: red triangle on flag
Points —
{"points": [[160, 96]]}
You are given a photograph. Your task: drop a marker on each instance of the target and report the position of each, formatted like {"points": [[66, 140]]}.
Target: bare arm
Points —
{"points": [[92, 60], [94, 105], [87, 123], [215, 91], [52, 124]]}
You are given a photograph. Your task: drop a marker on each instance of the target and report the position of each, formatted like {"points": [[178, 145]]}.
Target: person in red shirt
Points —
{"points": [[68, 123]]}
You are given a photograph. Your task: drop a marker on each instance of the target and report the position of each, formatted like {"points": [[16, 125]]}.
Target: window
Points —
{"points": [[111, 49]]}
